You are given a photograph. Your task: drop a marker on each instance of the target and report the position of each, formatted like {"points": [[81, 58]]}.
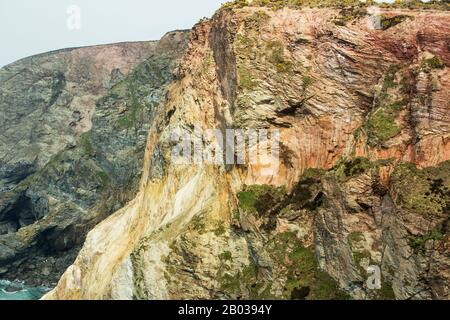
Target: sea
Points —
{"points": [[18, 291]]}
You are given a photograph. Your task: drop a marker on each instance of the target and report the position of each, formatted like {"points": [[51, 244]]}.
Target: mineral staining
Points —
{"points": [[363, 177]]}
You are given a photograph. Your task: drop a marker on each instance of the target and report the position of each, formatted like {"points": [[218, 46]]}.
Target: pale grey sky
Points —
{"points": [[29, 27]]}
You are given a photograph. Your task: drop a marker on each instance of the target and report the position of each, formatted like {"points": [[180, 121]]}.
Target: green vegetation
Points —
{"points": [[359, 257], [245, 279], [246, 80], [306, 194], [277, 58], [433, 63], [382, 125], [207, 65], [288, 213], [128, 92], [425, 191], [296, 264], [417, 243], [134, 105], [306, 82], [260, 198], [386, 292], [355, 237], [303, 279], [263, 199], [244, 42], [301, 270], [198, 224], [104, 178], [256, 20], [389, 78], [85, 143], [357, 166], [313, 173], [126, 122], [226, 256], [235, 4], [348, 14], [247, 200], [58, 84], [416, 4], [301, 40], [220, 230], [346, 168], [387, 23], [278, 4]]}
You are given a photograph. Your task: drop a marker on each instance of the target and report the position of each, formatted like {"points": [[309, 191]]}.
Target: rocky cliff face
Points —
{"points": [[364, 179], [74, 125]]}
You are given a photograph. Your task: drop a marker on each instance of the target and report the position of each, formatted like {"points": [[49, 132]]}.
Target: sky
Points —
{"points": [[29, 27]]}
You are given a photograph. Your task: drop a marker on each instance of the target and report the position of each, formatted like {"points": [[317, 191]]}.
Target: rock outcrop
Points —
{"points": [[361, 102], [75, 124], [364, 180]]}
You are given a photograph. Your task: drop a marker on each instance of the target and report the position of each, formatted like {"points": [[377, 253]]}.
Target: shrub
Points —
{"points": [[433, 63]]}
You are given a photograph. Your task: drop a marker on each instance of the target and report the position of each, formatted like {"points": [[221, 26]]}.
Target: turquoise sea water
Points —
{"points": [[18, 291]]}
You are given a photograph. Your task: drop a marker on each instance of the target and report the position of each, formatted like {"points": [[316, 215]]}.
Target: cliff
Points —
{"points": [[364, 179], [75, 123], [364, 173]]}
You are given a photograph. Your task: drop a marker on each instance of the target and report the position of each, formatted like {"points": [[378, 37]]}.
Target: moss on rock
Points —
{"points": [[347, 168], [389, 22], [386, 292], [433, 63], [425, 191], [382, 125], [300, 269], [259, 198], [246, 80], [296, 266], [355, 237], [85, 143], [277, 57], [226, 256], [417, 243]]}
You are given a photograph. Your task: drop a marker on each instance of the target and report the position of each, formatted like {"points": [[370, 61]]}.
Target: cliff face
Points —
{"points": [[364, 179], [74, 124]]}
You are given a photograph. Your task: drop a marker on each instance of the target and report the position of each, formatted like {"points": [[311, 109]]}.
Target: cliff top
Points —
{"points": [[278, 4]]}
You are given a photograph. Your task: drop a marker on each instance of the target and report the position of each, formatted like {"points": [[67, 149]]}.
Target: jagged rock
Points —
{"points": [[363, 115], [77, 121]]}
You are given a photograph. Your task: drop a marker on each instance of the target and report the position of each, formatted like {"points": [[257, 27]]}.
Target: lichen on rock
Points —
{"points": [[363, 175]]}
